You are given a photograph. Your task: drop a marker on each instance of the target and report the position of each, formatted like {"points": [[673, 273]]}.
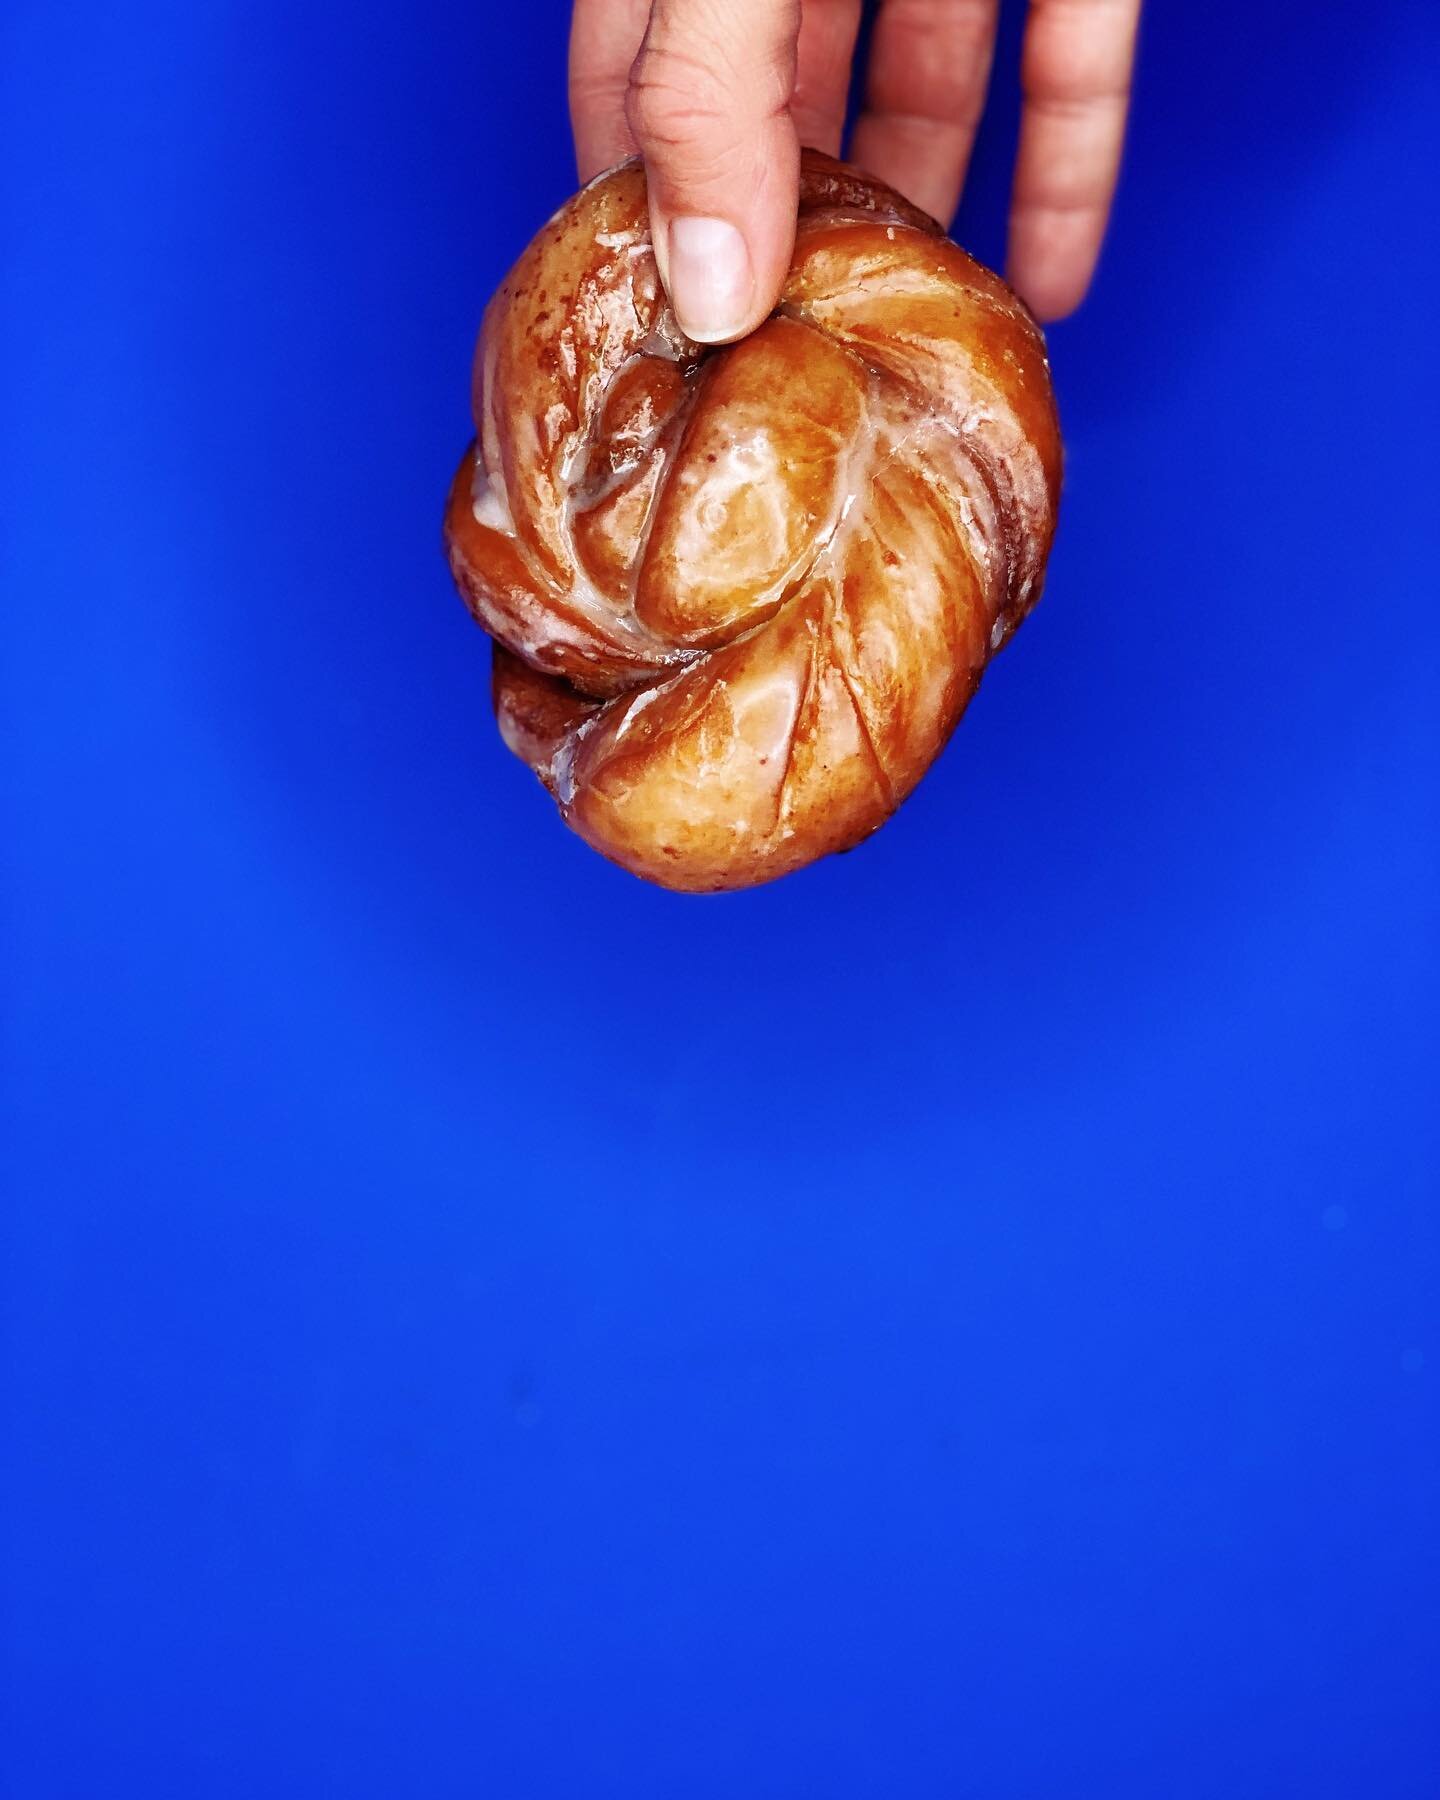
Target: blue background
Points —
{"points": [[962, 1322]]}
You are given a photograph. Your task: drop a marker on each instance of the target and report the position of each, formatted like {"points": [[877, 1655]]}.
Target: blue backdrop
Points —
{"points": [[962, 1322]]}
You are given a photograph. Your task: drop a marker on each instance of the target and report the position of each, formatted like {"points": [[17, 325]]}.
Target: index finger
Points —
{"points": [[1075, 71], [604, 37]]}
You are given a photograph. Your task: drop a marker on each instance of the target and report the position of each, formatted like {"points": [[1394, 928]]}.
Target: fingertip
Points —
{"points": [[724, 250], [1050, 297], [1050, 261], [719, 288], [710, 277]]}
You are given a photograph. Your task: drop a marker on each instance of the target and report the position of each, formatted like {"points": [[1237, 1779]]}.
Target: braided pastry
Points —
{"points": [[741, 596]]}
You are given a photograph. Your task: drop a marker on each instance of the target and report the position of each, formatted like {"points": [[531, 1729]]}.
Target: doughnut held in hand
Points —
{"points": [[740, 596]]}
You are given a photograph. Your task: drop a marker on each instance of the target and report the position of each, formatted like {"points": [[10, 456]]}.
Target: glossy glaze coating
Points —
{"points": [[740, 597]]}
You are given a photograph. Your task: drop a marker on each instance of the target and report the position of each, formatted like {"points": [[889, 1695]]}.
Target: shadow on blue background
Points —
{"points": [[960, 1322]]}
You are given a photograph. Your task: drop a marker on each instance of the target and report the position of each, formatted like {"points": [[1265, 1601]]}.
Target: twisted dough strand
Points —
{"points": [[741, 597]]}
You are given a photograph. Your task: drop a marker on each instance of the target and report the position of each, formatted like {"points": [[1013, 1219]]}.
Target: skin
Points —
{"points": [[718, 96]]}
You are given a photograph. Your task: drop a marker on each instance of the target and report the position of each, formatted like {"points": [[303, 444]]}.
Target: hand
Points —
{"points": [[718, 95]]}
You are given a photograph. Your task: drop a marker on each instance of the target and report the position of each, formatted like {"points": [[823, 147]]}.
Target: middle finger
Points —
{"points": [[929, 69]]}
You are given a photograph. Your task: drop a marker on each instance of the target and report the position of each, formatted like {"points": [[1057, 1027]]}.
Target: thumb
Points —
{"points": [[709, 107]]}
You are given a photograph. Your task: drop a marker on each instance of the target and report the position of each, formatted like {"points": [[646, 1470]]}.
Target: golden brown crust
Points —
{"points": [[742, 596]]}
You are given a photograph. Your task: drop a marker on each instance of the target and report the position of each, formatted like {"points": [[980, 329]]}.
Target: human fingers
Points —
{"points": [[709, 106], [822, 84], [925, 91], [1075, 71], [604, 37]]}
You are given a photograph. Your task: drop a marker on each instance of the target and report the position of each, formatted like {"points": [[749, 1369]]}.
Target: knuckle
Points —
{"points": [[672, 97], [934, 58], [704, 80], [1069, 58], [597, 92]]}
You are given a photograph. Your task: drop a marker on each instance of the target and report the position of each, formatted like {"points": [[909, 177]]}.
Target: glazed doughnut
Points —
{"points": [[740, 596]]}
